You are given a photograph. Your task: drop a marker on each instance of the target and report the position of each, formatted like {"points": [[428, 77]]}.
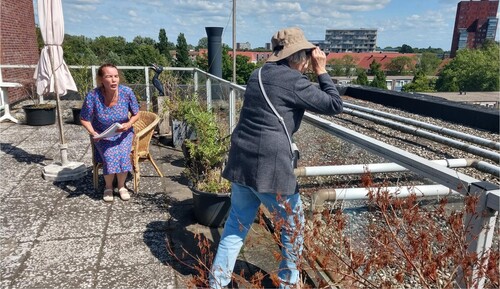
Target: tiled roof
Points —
{"points": [[364, 59]]}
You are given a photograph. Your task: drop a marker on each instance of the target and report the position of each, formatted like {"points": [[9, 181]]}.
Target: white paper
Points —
{"points": [[111, 131]]}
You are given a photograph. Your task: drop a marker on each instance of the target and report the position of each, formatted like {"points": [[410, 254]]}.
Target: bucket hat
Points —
{"points": [[288, 41]]}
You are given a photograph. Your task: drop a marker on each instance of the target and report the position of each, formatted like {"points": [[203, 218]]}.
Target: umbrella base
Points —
{"points": [[59, 173]]}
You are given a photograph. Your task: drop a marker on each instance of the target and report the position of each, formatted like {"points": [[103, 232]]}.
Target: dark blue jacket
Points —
{"points": [[259, 155]]}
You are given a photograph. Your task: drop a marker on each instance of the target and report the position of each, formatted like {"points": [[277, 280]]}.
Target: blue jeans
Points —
{"points": [[245, 202]]}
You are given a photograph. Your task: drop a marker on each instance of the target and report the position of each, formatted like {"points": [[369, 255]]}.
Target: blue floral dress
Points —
{"points": [[113, 152]]}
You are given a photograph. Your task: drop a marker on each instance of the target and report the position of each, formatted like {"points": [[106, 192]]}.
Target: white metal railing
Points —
{"points": [[210, 80], [479, 236]]}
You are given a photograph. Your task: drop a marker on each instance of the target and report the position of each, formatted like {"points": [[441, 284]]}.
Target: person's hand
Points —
{"points": [[318, 61], [125, 126]]}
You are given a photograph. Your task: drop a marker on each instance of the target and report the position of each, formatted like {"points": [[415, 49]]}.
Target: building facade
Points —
{"points": [[475, 21], [350, 40], [18, 44], [243, 46]]}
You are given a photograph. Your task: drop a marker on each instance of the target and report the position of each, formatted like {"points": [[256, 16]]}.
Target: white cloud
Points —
{"points": [[419, 23]]}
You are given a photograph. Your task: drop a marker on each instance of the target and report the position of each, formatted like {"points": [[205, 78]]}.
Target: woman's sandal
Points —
{"points": [[124, 195], [108, 195]]}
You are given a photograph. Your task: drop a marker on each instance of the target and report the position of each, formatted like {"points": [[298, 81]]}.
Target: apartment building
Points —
{"points": [[350, 40], [475, 21]]}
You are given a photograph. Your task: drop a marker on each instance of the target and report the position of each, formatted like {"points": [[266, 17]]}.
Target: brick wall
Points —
{"points": [[18, 44]]}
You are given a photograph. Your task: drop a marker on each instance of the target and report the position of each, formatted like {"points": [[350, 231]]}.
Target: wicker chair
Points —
{"points": [[144, 129]]}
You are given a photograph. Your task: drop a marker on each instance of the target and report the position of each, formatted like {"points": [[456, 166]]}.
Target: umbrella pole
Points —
{"points": [[63, 146]]}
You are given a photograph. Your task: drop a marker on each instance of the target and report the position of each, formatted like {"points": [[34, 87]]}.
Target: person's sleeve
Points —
{"points": [[324, 99], [87, 111], [133, 103]]}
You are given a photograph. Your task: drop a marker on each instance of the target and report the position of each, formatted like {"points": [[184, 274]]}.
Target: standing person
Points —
{"points": [[260, 160], [103, 106]]}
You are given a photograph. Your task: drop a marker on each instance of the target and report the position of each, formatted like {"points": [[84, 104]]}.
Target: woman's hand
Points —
{"points": [[318, 61], [125, 126]]}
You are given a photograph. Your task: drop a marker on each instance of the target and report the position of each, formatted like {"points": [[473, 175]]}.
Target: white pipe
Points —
{"points": [[494, 156], [323, 195], [439, 129], [373, 168]]}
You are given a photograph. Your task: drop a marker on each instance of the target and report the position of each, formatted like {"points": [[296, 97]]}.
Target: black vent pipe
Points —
{"points": [[214, 37]]}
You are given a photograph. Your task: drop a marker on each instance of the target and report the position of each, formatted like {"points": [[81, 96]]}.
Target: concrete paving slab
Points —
{"points": [[138, 219], [29, 188], [21, 226], [6, 187], [74, 224], [13, 254], [54, 279], [62, 256], [145, 276], [11, 172], [134, 249], [22, 155]]}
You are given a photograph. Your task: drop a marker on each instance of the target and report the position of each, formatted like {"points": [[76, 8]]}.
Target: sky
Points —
{"points": [[417, 23]]}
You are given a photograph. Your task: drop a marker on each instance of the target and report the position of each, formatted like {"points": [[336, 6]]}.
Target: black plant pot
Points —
{"points": [[37, 115], [211, 209], [76, 114]]}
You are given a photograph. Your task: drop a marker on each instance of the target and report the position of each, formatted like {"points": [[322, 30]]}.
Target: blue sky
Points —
{"points": [[418, 23]]}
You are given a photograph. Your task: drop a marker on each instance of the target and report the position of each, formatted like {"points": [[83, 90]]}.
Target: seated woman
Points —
{"points": [[105, 105]]}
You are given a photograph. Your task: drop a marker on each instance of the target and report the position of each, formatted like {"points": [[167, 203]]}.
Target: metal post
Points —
{"points": [[94, 75], [234, 41], [148, 95], [209, 93], [480, 226], [195, 80], [232, 108]]}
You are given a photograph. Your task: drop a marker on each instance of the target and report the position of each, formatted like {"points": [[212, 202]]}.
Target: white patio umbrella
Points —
{"points": [[52, 75]]}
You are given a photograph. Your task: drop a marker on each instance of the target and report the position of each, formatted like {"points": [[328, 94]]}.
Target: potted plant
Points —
{"points": [[83, 81], [205, 158], [38, 113]]}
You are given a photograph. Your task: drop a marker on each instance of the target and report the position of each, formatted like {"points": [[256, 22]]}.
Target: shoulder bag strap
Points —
{"points": [[275, 111]]}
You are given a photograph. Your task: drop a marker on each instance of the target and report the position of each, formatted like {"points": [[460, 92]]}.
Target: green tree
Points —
{"points": [[141, 55], [144, 40], [379, 80], [406, 49], [39, 39], [343, 66], [420, 83], [362, 78], [164, 46], [243, 69], [202, 43], [374, 67], [77, 49], [201, 61], [103, 45], [428, 63], [429, 49], [401, 65], [472, 70], [227, 63], [181, 48]]}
